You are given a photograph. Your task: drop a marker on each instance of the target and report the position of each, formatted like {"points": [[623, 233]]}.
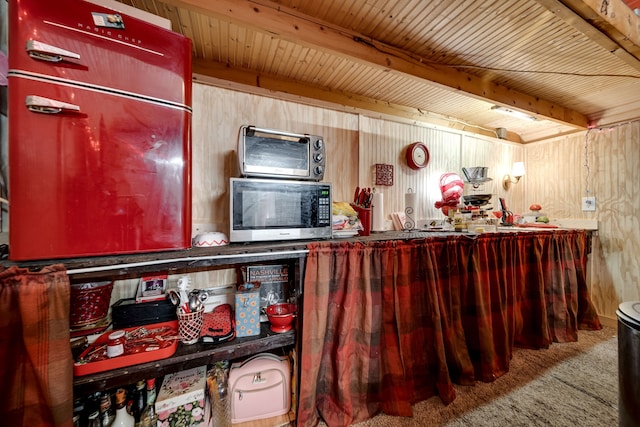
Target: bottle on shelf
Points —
{"points": [[149, 417], [123, 418], [139, 401], [107, 413], [78, 410], [94, 420], [218, 383]]}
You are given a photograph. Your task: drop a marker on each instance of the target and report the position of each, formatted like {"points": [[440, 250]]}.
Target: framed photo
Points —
{"points": [[151, 288]]}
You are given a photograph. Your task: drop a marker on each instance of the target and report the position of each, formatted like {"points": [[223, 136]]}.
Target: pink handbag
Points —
{"points": [[260, 387]]}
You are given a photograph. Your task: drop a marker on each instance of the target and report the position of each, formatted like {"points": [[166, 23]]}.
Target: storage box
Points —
{"points": [[248, 310], [89, 303], [126, 313], [218, 296], [181, 399]]}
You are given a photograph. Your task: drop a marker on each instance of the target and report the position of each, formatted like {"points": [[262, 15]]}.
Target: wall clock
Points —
{"points": [[417, 155]]}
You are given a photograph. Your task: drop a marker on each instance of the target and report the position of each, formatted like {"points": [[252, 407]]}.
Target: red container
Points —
{"points": [[89, 303], [364, 215], [281, 316], [128, 359]]}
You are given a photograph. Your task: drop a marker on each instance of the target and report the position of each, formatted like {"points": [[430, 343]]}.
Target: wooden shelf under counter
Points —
{"points": [[186, 357], [119, 267]]}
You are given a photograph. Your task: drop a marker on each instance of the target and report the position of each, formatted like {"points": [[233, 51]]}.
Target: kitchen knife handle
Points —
{"points": [[49, 53], [40, 104]]}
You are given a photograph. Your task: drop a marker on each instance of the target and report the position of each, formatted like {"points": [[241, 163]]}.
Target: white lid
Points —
{"points": [[630, 311], [117, 334]]}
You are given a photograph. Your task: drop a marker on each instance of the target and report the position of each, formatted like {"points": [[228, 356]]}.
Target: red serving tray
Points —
{"points": [[80, 369]]}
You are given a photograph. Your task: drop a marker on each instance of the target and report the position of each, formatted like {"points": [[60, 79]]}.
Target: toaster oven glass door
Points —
{"points": [[276, 156]]}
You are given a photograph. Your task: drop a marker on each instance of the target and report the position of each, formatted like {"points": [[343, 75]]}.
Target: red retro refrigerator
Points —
{"points": [[99, 132]]}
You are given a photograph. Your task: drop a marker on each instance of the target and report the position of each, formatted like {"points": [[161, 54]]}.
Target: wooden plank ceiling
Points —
{"points": [[569, 63]]}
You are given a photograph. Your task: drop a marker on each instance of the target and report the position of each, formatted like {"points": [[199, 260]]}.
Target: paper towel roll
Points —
{"points": [[377, 212], [410, 206]]}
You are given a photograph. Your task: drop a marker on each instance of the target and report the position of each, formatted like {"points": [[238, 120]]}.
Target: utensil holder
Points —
{"points": [[364, 215], [189, 326]]}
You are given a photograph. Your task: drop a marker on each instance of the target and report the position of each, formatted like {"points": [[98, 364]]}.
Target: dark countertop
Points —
{"points": [[130, 265]]}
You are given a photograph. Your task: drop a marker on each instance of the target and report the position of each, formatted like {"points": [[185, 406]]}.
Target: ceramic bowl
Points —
{"points": [[281, 316], [210, 239]]}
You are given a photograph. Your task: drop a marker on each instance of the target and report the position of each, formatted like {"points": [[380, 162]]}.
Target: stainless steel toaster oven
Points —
{"points": [[269, 153]]}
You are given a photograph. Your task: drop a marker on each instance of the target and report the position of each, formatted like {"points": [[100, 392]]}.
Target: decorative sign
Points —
{"points": [[384, 174]]}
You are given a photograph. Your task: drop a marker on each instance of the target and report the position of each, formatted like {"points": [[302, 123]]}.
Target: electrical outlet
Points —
{"points": [[588, 203]]}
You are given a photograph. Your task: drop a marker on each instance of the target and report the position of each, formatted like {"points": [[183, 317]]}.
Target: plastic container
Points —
{"points": [[364, 215], [108, 363], [481, 227], [629, 363]]}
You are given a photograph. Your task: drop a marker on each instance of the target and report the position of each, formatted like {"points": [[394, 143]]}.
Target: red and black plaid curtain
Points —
{"points": [[35, 353], [390, 323]]}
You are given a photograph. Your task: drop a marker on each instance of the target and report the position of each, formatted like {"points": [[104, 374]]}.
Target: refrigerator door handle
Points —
{"points": [[49, 53], [40, 104]]}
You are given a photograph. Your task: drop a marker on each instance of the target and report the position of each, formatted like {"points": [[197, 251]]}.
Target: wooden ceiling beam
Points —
{"points": [[610, 23], [218, 74], [290, 25]]}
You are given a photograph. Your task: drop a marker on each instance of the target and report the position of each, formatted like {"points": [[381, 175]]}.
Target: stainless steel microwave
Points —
{"points": [[269, 153], [268, 209]]}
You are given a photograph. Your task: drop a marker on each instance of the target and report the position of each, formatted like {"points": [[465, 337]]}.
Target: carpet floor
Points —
{"points": [[568, 384]]}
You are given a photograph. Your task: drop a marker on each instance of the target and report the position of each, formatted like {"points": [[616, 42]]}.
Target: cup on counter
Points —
{"points": [[364, 215]]}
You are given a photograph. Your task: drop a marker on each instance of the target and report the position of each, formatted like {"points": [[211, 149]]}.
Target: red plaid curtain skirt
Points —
{"points": [[390, 323]]}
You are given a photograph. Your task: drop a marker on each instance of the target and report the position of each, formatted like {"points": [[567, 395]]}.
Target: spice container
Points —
{"points": [[458, 221], [115, 345]]}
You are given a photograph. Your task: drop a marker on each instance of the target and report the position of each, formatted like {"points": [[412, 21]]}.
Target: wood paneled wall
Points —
{"points": [[605, 163], [385, 141], [217, 117], [556, 176], [355, 143]]}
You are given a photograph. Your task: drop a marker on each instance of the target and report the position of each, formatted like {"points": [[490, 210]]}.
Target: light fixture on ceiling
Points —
{"points": [[513, 113], [517, 172]]}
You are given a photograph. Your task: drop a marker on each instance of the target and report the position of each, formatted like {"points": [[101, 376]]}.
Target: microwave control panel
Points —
{"points": [[324, 205]]}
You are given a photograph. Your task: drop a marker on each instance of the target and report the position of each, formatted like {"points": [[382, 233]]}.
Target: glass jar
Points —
{"points": [[115, 346]]}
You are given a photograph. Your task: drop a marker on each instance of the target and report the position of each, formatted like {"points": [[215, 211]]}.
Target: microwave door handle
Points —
{"points": [[40, 104], [277, 132], [49, 53]]}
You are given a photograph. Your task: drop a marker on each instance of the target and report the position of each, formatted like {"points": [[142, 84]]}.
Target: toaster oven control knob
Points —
{"points": [[318, 157], [318, 170], [318, 143]]}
